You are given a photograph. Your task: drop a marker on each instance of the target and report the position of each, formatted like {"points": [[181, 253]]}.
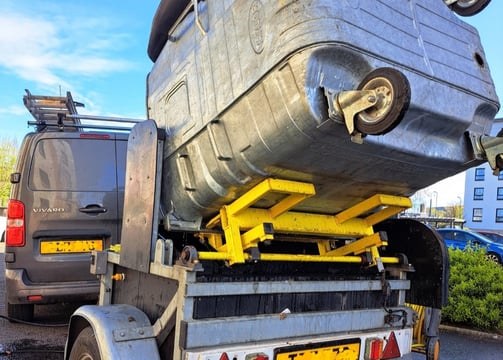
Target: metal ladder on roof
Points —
{"points": [[60, 113], [49, 110]]}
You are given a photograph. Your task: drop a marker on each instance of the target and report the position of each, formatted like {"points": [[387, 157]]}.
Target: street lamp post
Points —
{"points": [[436, 203], [460, 207]]}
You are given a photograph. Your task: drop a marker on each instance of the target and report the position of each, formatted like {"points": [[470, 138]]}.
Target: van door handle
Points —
{"points": [[93, 209]]}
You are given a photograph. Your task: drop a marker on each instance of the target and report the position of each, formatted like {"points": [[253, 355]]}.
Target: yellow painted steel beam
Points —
{"points": [[303, 223], [259, 233], [358, 246], [297, 192], [271, 185], [390, 260], [207, 255], [233, 240], [215, 240], [374, 251], [310, 258], [395, 204]]}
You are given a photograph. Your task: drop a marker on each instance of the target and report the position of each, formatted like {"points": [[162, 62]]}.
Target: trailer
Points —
{"points": [[259, 283], [261, 201]]}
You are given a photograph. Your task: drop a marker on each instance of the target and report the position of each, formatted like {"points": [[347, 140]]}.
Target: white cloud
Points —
{"points": [[50, 52], [13, 110]]}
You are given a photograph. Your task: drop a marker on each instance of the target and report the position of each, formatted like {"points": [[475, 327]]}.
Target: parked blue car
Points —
{"points": [[496, 237], [460, 239]]}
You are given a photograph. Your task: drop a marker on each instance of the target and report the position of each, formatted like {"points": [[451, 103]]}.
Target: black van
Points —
{"points": [[66, 200]]}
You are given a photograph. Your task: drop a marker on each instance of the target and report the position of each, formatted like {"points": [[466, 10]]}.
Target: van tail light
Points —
{"points": [[15, 229]]}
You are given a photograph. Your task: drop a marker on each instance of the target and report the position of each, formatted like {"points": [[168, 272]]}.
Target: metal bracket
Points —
{"points": [[163, 252], [189, 258], [344, 105], [488, 148], [99, 262]]}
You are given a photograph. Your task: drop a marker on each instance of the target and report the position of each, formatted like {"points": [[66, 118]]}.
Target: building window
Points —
{"points": [[500, 175], [477, 215], [479, 174], [499, 215], [499, 195], [478, 193]]}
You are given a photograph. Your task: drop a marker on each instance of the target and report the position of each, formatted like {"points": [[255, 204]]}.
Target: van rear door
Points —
{"points": [[76, 185]]}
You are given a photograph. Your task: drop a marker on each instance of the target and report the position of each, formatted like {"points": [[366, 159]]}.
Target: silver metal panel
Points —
{"points": [[271, 327], [140, 219], [245, 100], [275, 287]]}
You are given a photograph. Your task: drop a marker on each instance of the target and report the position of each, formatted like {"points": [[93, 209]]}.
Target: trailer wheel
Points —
{"points": [[393, 92], [432, 348], [85, 346], [469, 7]]}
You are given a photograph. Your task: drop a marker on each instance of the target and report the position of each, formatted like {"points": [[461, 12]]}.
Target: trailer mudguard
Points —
{"points": [[120, 330], [426, 251]]}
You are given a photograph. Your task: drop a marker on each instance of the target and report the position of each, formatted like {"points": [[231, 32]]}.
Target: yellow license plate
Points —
{"points": [[70, 246], [337, 351]]}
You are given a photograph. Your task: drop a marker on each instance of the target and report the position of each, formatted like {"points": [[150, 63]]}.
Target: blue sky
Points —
{"points": [[97, 50]]}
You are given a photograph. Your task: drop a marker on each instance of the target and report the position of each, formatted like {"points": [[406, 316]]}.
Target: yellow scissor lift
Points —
{"points": [[244, 226]]}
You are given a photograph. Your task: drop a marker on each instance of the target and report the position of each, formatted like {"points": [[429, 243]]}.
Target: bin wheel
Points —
{"points": [[85, 346], [393, 99], [432, 348], [469, 7]]}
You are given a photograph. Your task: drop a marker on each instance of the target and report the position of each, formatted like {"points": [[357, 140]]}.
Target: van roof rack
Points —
{"points": [[60, 113]]}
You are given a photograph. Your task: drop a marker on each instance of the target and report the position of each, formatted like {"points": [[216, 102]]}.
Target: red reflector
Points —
{"points": [[374, 349], [35, 298], [224, 357], [391, 350], [257, 356], [14, 232], [95, 136]]}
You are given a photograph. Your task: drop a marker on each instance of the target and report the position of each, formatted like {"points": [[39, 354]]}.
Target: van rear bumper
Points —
{"points": [[18, 288]]}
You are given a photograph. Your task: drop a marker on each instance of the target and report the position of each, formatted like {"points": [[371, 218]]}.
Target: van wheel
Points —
{"points": [[85, 346], [469, 7], [23, 312]]}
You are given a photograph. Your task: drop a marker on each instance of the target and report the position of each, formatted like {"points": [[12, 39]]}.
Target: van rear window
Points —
{"points": [[73, 165]]}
